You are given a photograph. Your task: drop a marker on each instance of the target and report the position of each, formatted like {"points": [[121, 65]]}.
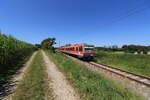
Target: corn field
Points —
{"points": [[13, 51]]}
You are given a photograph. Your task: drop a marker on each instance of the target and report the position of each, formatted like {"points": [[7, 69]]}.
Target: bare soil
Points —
{"points": [[61, 88], [18, 77]]}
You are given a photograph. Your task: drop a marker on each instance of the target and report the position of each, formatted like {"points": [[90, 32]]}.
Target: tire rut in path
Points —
{"points": [[17, 78], [61, 87]]}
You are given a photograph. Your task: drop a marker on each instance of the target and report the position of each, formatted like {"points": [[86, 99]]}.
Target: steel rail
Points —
{"points": [[131, 76], [123, 73]]}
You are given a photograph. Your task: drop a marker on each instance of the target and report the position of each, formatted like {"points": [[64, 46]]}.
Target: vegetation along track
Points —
{"points": [[132, 76], [138, 83]]}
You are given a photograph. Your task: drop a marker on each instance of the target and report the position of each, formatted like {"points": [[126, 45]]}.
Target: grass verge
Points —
{"points": [[7, 72], [139, 64], [90, 85], [34, 85]]}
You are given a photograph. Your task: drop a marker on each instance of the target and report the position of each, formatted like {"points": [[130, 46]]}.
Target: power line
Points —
{"points": [[129, 13]]}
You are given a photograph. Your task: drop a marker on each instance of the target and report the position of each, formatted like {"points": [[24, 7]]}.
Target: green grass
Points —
{"points": [[13, 53], [34, 85], [139, 64], [90, 85]]}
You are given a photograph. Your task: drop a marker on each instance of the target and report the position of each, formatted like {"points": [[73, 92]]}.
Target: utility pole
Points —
{"points": [[0, 31], [59, 43]]}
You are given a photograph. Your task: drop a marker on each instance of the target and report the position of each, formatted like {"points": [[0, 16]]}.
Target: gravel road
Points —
{"points": [[61, 87]]}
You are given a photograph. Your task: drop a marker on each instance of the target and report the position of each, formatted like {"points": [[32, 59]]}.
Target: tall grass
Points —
{"points": [[13, 53], [90, 85], [139, 63], [12, 50], [34, 85]]}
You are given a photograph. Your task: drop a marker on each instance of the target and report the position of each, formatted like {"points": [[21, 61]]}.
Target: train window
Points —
{"points": [[80, 48], [77, 48]]}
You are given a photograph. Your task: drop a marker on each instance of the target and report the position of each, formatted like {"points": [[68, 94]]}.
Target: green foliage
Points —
{"points": [[135, 48], [136, 63], [126, 48], [38, 46], [90, 85], [48, 43], [34, 85], [109, 48], [12, 51]]}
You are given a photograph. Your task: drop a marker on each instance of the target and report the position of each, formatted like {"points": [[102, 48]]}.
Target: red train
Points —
{"points": [[80, 50]]}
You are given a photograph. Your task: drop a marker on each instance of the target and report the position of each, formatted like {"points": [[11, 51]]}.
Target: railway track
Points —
{"points": [[138, 83], [132, 76], [140, 79]]}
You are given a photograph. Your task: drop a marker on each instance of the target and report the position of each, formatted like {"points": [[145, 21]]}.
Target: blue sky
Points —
{"points": [[98, 22]]}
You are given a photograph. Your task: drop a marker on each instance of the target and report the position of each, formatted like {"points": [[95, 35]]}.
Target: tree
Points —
{"points": [[48, 44], [38, 46], [135, 48], [114, 48]]}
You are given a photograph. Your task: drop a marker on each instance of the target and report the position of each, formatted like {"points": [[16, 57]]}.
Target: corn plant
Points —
{"points": [[12, 51]]}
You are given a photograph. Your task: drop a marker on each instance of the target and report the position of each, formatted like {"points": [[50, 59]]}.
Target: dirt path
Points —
{"points": [[19, 76], [61, 87]]}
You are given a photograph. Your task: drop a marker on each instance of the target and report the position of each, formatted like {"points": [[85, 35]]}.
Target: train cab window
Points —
{"points": [[89, 50]]}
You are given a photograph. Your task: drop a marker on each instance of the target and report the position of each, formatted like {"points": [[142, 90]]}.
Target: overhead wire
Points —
{"points": [[130, 12]]}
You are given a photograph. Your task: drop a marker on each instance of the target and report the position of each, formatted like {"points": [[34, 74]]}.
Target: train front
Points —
{"points": [[89, 52]]}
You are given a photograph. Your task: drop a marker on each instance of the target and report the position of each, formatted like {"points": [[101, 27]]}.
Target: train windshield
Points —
{"points": [[89, 49]]}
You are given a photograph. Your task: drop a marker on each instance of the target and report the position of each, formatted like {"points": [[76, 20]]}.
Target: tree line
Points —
{"points": [[47, 43], [127, 48]]}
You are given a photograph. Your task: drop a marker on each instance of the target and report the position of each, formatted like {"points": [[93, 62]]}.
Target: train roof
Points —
{"points": [[87, 45]]}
